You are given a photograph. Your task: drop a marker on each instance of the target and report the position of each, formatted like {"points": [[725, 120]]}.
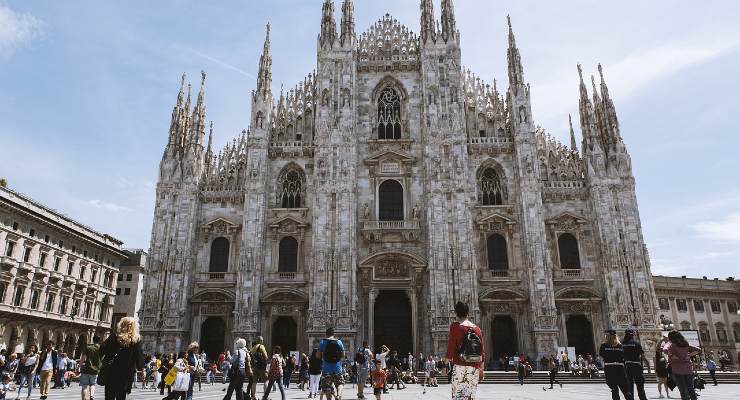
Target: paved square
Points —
{"points": [[485, 392]]}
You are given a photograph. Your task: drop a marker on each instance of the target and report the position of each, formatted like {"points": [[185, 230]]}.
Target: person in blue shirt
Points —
{"points": [[331, 351]]}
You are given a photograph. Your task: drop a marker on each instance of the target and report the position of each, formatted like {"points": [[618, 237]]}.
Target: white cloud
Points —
{"points": [[713, 255], [112, 207], [17, 29], [723, 230], [626, 77]]}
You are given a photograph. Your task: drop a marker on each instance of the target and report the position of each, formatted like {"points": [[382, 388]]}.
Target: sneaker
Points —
{"points": [[661, 396]]}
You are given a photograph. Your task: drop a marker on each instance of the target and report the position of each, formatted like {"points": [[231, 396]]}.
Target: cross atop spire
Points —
{"points": [[449, 28], [348, 22], [264, 76], [328, 25], [428, 31]]}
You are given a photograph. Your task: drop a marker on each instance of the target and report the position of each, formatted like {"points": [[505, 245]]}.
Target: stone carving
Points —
{"points": [[391, 269]]}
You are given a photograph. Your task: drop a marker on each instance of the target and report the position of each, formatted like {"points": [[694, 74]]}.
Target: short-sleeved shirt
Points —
{"points": [[92, 360], [679, 358], [632, 350], [612, 354], [378, 378], [368, 358], [457, 331], [327, 367]]}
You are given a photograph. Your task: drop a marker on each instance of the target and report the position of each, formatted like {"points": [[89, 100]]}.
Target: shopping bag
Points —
{"points": [[182, 382], [169, 379]]}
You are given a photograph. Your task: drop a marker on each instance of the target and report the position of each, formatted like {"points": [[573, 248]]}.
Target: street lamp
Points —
{"points": [[665, 323]]}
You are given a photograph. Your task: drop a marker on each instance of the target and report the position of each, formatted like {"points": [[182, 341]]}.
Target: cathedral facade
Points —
{"points": [[387, 185]]}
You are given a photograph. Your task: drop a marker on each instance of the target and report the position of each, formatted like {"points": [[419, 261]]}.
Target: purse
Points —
{"points": [[235, 368], [169, 379], [105, 368]]}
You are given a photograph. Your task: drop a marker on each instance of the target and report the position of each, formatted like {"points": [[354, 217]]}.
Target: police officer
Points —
{"points": [[613, 354], [633, 358]]}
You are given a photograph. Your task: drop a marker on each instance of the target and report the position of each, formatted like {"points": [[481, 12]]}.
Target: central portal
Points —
{"points": [[393, 322]]}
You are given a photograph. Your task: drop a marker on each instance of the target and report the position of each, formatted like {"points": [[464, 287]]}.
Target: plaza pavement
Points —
{"points": [[485, 392]]}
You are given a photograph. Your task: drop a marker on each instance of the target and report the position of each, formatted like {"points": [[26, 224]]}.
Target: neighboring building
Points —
{"points": [[130, 282], [57, 276], [707, 306], [387, 185]]}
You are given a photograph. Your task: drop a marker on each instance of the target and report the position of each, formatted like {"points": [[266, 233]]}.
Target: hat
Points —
{"points": [[629, 331], [610, 331]]}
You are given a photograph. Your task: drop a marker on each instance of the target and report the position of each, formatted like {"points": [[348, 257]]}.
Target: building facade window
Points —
{"points": [[42, 259], [498, 257], [127, 291], [83, 270], [389, 115], [570, 257], [390, 201], [3, 289], [18, 298], [699, 305], [704, 333], [716, 308], [719, 328], [664, 304], [118, 291], [129, 277], [63, 304], [219, 261], [736, 331], [35, 299], [732, 307], [57, 262], [490, 188], [26, 254], [9, 247], [49, 302], [681, 305], [291, 185], [70, 267], [288, 255], [685, 325]]}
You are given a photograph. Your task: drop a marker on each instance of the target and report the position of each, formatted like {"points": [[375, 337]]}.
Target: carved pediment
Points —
{"points": [[212, 297], [390, 156], [577, 294], [502, 295], [289, 224], [285, 296], [220, 226], [566, 219], [494, 222]]}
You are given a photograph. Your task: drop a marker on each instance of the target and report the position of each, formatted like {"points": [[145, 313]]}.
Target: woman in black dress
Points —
{"points": [[122, 356]]}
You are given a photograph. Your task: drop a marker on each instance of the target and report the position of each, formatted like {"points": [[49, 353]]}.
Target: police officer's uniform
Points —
{"points": [[614, 371], [633, 363]]}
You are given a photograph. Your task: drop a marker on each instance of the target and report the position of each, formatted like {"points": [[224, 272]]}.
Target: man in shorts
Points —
{"points": [[89, 368], [363, 358], [331, 351]]}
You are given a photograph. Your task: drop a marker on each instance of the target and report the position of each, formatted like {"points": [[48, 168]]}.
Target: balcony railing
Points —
{"points": [[498, 274], [215, 277], [570, 273], [391, 225], [491, 140], [287, 276]]}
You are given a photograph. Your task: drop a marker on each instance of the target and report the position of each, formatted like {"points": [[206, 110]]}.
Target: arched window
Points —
{"points": [[389, 114], [719, 328], [489, 187], [291, 189], [570, 258], [704, 333], [736, 332], [288, 255], [3, 289], [390, 201], [498, 259], [219, 255]]}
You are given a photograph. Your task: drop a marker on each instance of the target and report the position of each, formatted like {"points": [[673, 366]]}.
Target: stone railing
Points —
{"points": [[382, 225], [490, 145], [216, 276], [569, 273], [290, 148], [498, 275]]}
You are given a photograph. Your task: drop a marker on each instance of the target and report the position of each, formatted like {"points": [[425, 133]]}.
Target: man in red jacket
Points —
{"points": [[465, 349]]}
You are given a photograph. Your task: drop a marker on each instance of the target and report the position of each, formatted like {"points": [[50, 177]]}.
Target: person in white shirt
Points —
{"points": [[62, 363]]}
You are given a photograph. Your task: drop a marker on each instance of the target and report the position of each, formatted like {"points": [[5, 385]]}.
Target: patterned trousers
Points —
{"points": [[464, 382]]}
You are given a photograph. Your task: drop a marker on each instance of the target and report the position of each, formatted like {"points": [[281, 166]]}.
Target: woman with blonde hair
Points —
{"points": [[121, 358]]}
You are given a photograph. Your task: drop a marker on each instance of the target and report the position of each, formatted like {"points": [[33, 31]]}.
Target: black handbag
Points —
{"points": [[106, 365]]}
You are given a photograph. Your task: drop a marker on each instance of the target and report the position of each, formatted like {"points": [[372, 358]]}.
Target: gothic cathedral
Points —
{"points": [[387, 185]]}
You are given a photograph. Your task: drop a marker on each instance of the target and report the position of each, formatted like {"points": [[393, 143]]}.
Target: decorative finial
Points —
{"points": [[580, 71], [202, 77]]}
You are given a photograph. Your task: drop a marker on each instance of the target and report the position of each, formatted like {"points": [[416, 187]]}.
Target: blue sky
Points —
{"points": [[86, 90]]}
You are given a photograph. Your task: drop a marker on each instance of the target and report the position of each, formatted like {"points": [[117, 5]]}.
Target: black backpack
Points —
{"points": [[471, 347], [332, 352], [360, 356], [260, 361]]}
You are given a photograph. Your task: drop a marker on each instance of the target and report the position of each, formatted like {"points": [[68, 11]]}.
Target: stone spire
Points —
{"points": [[348, 22], [572, 134], [328, 25], [428, 31], [209, 146], [199, 113], [449, 28], [610, 113], [516, 73], [177, 112], [264, 76]]}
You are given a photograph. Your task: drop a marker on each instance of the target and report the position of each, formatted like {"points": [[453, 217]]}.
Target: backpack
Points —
{"points": [[361, 357], [471, 347], [260, 361], [332, 352]]}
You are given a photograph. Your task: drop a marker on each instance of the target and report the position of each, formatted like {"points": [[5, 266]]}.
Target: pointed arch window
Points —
{"points": [[219, 261], [570, 257], [288, 255], [389, 114], [291, 189], [390, 201], [498, 258], [490, 189]]}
